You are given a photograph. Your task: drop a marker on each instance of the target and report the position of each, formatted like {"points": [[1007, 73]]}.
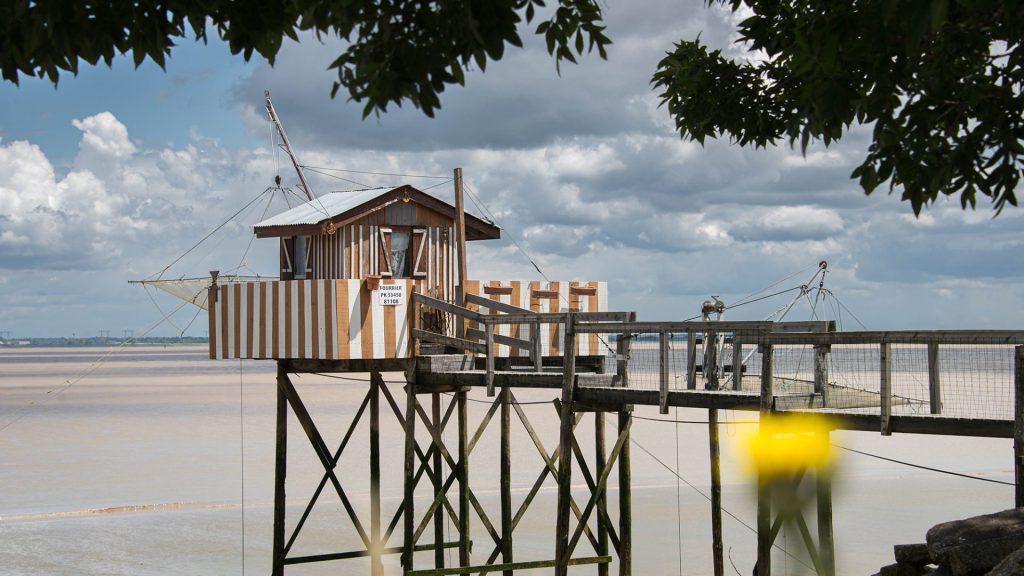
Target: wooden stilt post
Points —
{"points": [[435, 416], [602, 496], [376, 565], [717, 547], [506, 477], [826, 543], [463, 423], [409, 516], [885, 388], [565, 448], [764, 505], [625, 502], [821, 352], [1018, 425], [280, 470], [934, 384]]}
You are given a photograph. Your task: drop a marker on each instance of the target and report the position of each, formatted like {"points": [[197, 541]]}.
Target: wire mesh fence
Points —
{"points": [[965, 376]]}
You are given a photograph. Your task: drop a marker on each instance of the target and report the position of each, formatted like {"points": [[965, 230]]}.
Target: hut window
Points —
{"points": [[400, 253], [300, 257]]}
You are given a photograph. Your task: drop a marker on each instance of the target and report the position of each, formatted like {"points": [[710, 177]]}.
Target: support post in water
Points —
{"points": [[1018, 425], [280, 469]]}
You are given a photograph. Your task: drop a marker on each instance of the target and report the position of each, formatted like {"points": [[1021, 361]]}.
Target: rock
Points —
{"points": [[974, 546], [912, 553], [1012, 565], [900, 569]]}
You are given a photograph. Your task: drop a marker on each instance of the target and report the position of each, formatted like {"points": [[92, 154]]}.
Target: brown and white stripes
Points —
{"points": [[342, 319], [321, 319]]}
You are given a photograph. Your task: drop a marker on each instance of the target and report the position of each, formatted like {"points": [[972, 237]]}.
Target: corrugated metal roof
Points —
{"points": [[322, 208]]}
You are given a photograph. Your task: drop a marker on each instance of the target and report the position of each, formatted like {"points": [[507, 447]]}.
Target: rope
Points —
{"points": [[211, 233], [922, 467]]}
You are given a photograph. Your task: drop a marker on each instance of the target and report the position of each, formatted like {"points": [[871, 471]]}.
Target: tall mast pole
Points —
{"points": [[287, 146]]}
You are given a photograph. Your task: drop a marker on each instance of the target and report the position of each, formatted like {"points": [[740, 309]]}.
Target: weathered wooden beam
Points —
{"points": [[463, 470], [663, 372], [821, 386], [764, 509], [926, 424], [435, 413], [691, 360], [625, 549], [562, 551], [505, 454], [724, 400], [934, 383], [602, 496], [409, 484], [449, 341], [885, 388], [901, 337], [1018, 425], [449, 307], [495, 305], [489, 351], [376, 565], [280, 471], [737, 364], [310, 365], [717, 547]]}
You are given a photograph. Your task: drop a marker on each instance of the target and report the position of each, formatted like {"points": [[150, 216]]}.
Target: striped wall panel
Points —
{"points": [[317, 319], [341, 319], [545, 297]]}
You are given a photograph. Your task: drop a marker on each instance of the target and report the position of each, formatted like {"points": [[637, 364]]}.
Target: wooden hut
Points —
{"points": [[348, 265]]}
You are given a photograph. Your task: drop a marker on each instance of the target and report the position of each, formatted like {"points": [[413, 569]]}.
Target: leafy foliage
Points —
{"points": [[396, 49], [940, 80]]}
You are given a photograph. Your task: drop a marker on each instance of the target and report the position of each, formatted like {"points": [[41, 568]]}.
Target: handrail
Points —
{"points": [[447, 307]]}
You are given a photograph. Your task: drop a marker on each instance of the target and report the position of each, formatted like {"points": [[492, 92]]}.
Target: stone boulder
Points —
{"points": [[974, 546]]}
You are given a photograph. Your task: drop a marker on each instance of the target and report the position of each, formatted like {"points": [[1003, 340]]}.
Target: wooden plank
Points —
{"points": [[500, 290], [505, 456], [409, 484], [494, 304], [885, 387], [435, 413], [602, 496], [691, 360], [489, 351], [463, 471], [448, 307], [663, 372], [753, 327], [1018, 425], [625, 500], [934, 384], [737, 364], [449, 341], [991, 337], [376, 566], [767, 403], [583, 290], [723, 400], [351, 365], [717, 547], [562, 551], [821, 385], [280, 471], [926, 424]]}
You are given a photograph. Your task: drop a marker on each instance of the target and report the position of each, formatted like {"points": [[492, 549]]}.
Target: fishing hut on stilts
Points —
{"points": [[376, 281]]}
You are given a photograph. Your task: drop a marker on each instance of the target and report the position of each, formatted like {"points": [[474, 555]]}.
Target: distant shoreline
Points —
{"points": [[65, 342]]}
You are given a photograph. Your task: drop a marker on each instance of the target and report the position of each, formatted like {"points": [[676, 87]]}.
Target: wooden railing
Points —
{"points": [[484, 341]]}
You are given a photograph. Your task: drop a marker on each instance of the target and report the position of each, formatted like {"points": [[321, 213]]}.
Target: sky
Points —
{"points": [[116, 173]]}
